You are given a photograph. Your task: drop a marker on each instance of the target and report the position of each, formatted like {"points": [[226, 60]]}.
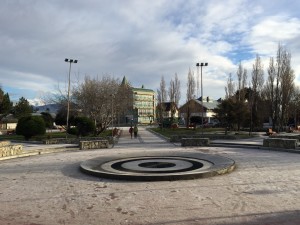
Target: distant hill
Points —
{"points": [[51, 108]]}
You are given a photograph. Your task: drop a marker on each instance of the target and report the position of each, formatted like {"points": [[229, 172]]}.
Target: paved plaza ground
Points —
{"points": [[49, 189]]}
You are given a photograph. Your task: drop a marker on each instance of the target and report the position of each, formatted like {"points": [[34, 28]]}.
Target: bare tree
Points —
{"points": [[242, 80], [245, 79], [177, 95], [295, 106], [95, 98], [163, 89], [284, 79], [279, 69], [269, 89], [240, 96], [174, 95], [287, 87], [230, 88], [257, 75], [279, 91], [239, 74], [171, 91], [191, 86], [257, 81], [161, 99], [159, 109]]}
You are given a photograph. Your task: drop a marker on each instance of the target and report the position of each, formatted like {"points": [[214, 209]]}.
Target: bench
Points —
{"points": [[195, 142], [284, 143]]}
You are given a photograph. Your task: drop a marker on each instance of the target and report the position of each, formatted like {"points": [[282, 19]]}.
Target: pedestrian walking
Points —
{"points": [[131, 131], [135, 131]]}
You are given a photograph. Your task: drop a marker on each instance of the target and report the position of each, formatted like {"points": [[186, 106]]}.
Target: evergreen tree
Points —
{"points": [[85, 126], [22, 108], [229, 112], [48, 119], [5, 104], [30, 126]]}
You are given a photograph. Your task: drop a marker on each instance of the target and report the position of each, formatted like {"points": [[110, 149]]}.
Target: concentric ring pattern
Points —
{"points": [[158, 166]]}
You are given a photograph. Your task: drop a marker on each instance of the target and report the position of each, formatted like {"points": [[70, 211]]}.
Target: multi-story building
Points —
{"points": [[143, 105]]}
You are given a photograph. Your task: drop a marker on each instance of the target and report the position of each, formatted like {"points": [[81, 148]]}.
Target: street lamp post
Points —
{"points": [[295, 119], [112, 115], [68, 107], [201, 65]]}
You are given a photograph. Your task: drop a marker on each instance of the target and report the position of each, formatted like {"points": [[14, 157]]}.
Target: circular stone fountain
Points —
{"points": [[158, 166]]}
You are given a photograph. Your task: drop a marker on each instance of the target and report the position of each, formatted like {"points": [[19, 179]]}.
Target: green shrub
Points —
{"points": [[48, 119], [30, 126], [84, 125], [174, 126], [168, 122], [196, 119], [73, 130]]}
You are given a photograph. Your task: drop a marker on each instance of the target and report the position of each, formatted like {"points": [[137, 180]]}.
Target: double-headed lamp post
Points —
{"points": [[68, 108], [202, 109]]}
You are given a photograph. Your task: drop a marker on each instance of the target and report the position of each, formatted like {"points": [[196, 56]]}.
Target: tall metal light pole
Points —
{"points": [[202, 109], [68, 108], [112, 115]]}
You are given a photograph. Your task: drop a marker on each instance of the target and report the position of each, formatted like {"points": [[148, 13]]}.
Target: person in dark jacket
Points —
{"points": [[131, 131], [135, 131]]}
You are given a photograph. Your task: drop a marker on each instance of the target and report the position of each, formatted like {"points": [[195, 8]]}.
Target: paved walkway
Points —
{"points": [[49, 189], [147, 137], [143, 137]]}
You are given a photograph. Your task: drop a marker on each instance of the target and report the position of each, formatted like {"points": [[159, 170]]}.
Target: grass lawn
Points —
{"points": [[14, 137], [56, 134], [168, 132]]}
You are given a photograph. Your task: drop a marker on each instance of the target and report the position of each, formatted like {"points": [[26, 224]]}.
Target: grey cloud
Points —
{"points": [[139, 39]]}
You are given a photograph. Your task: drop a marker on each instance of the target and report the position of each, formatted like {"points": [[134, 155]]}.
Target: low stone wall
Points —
{"points": [[195, 142], [177, 138], [286, 136], [8, 149], [280, 143], [53, 141], [95, 144], [4, 143]]}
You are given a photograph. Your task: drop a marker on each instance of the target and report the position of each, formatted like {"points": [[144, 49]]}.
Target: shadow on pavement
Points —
{"points": [[273, 218]]}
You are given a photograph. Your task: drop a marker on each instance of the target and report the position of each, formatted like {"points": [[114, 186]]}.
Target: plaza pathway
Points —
{"points": [[49, 189]]}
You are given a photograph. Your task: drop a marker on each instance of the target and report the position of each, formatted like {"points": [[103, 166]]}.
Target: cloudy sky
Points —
{"points": [[140, 39]]}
